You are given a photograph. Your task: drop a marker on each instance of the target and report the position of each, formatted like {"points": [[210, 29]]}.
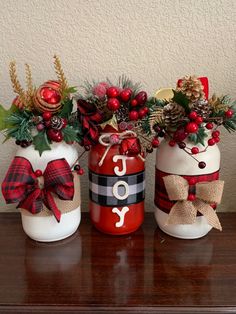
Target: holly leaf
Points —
{"points": [[70, 134], [4, 114], [181, 100], [41, 142], [67, 108]]}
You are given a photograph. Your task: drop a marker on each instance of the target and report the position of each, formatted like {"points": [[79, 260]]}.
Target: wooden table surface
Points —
{"points": [[146, 272]]}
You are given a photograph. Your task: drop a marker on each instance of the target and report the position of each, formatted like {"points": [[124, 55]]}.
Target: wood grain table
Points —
{"points": [[145, 272]]}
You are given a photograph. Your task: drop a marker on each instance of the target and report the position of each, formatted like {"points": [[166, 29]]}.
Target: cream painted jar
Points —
{"points": [[43, 226], [173, 160]]}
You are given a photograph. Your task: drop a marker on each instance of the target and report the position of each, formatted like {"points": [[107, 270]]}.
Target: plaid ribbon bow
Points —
{"points": [[32, 192]]}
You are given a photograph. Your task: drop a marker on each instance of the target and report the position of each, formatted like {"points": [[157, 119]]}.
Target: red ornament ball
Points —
{"points": [[38, 173], [229, 113], [172, 143], [113, 104], [146, 109], [193, 115], [191, 197], [112, 92], [199, 120], [155, 142], [48, 97], [134, 103], [191, 127], [133, 115], [211, 142], [195, 150], [125, 94]]}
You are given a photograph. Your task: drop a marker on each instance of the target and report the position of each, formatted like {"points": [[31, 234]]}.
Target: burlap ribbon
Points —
{"points": [[185, 211]]}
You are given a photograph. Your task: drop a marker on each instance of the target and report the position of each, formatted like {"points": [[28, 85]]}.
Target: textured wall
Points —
{"points": [[152, 41]]}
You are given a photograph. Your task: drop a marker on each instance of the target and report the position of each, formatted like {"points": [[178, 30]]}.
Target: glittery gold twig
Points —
{"points": [[16, 84], [60, 74], [29, 83], [156, 117]]}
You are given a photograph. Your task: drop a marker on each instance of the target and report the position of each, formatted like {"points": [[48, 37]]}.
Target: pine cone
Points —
{"points": [[172, 113], [217, 104], [192, 87], [56, 123], [202, 108]]}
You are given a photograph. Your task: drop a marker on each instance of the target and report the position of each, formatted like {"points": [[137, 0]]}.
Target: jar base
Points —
{"points": [[193, 231], [47, 229], [116, 234]]}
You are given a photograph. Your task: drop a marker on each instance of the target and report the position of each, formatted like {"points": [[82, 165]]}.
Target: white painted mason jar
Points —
{"points": [[173, 160], [43, 226]]}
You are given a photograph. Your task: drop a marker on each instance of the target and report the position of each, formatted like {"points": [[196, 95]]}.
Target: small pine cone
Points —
{"points": [[56, 123], [192, 87], [202, 108], [172, 113]]}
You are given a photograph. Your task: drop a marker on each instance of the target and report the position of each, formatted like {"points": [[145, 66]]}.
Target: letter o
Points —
{"points": [[115, 190]]}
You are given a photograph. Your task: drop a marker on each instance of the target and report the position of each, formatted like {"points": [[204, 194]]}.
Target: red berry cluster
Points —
{"points": [[79, 170], [137, 108], [54, 133]]}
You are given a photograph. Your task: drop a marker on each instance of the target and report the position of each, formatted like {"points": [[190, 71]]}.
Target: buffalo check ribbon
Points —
{"points": [[185, 211], [22, 186]]}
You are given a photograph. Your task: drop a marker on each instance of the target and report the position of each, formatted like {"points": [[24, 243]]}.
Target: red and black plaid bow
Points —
{"points": [[21, 185], [89, 117]]}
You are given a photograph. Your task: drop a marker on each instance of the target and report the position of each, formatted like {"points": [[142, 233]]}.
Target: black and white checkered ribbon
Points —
{"points": [[103, 189]]}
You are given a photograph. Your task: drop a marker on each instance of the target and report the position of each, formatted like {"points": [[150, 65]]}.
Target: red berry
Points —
{"points": [[38, 173], [80, 171], [141, 113], [112, 92], [215, 133], [133, 115], [180, 135], [141, 98], [195, 150], [113, 104], [172, 143], [77, 167], [191, 197], [55, 135], [47, 115], [202, 165], [229, 113], [199, 120], [64, 123], [125, 94], [40, 126], [155, 142], [191, 127], [146, 109], [217, 139], [193, 115], [181, 145], [192, 181], [134, 103], [211, 142], [209, 125]]}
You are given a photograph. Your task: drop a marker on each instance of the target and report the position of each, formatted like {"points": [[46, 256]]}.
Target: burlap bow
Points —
{"points": [[185, 211]]}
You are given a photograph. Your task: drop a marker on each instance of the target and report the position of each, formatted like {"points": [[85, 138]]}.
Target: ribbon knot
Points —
{"points": [[128, 141], [185, 211], [22, 186]]}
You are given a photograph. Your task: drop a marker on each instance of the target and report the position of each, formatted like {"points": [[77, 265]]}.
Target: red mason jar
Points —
{"points": [[116, 187]]}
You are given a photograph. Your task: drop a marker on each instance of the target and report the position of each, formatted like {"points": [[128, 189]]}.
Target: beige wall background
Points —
{"points": [[154, 42]]}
